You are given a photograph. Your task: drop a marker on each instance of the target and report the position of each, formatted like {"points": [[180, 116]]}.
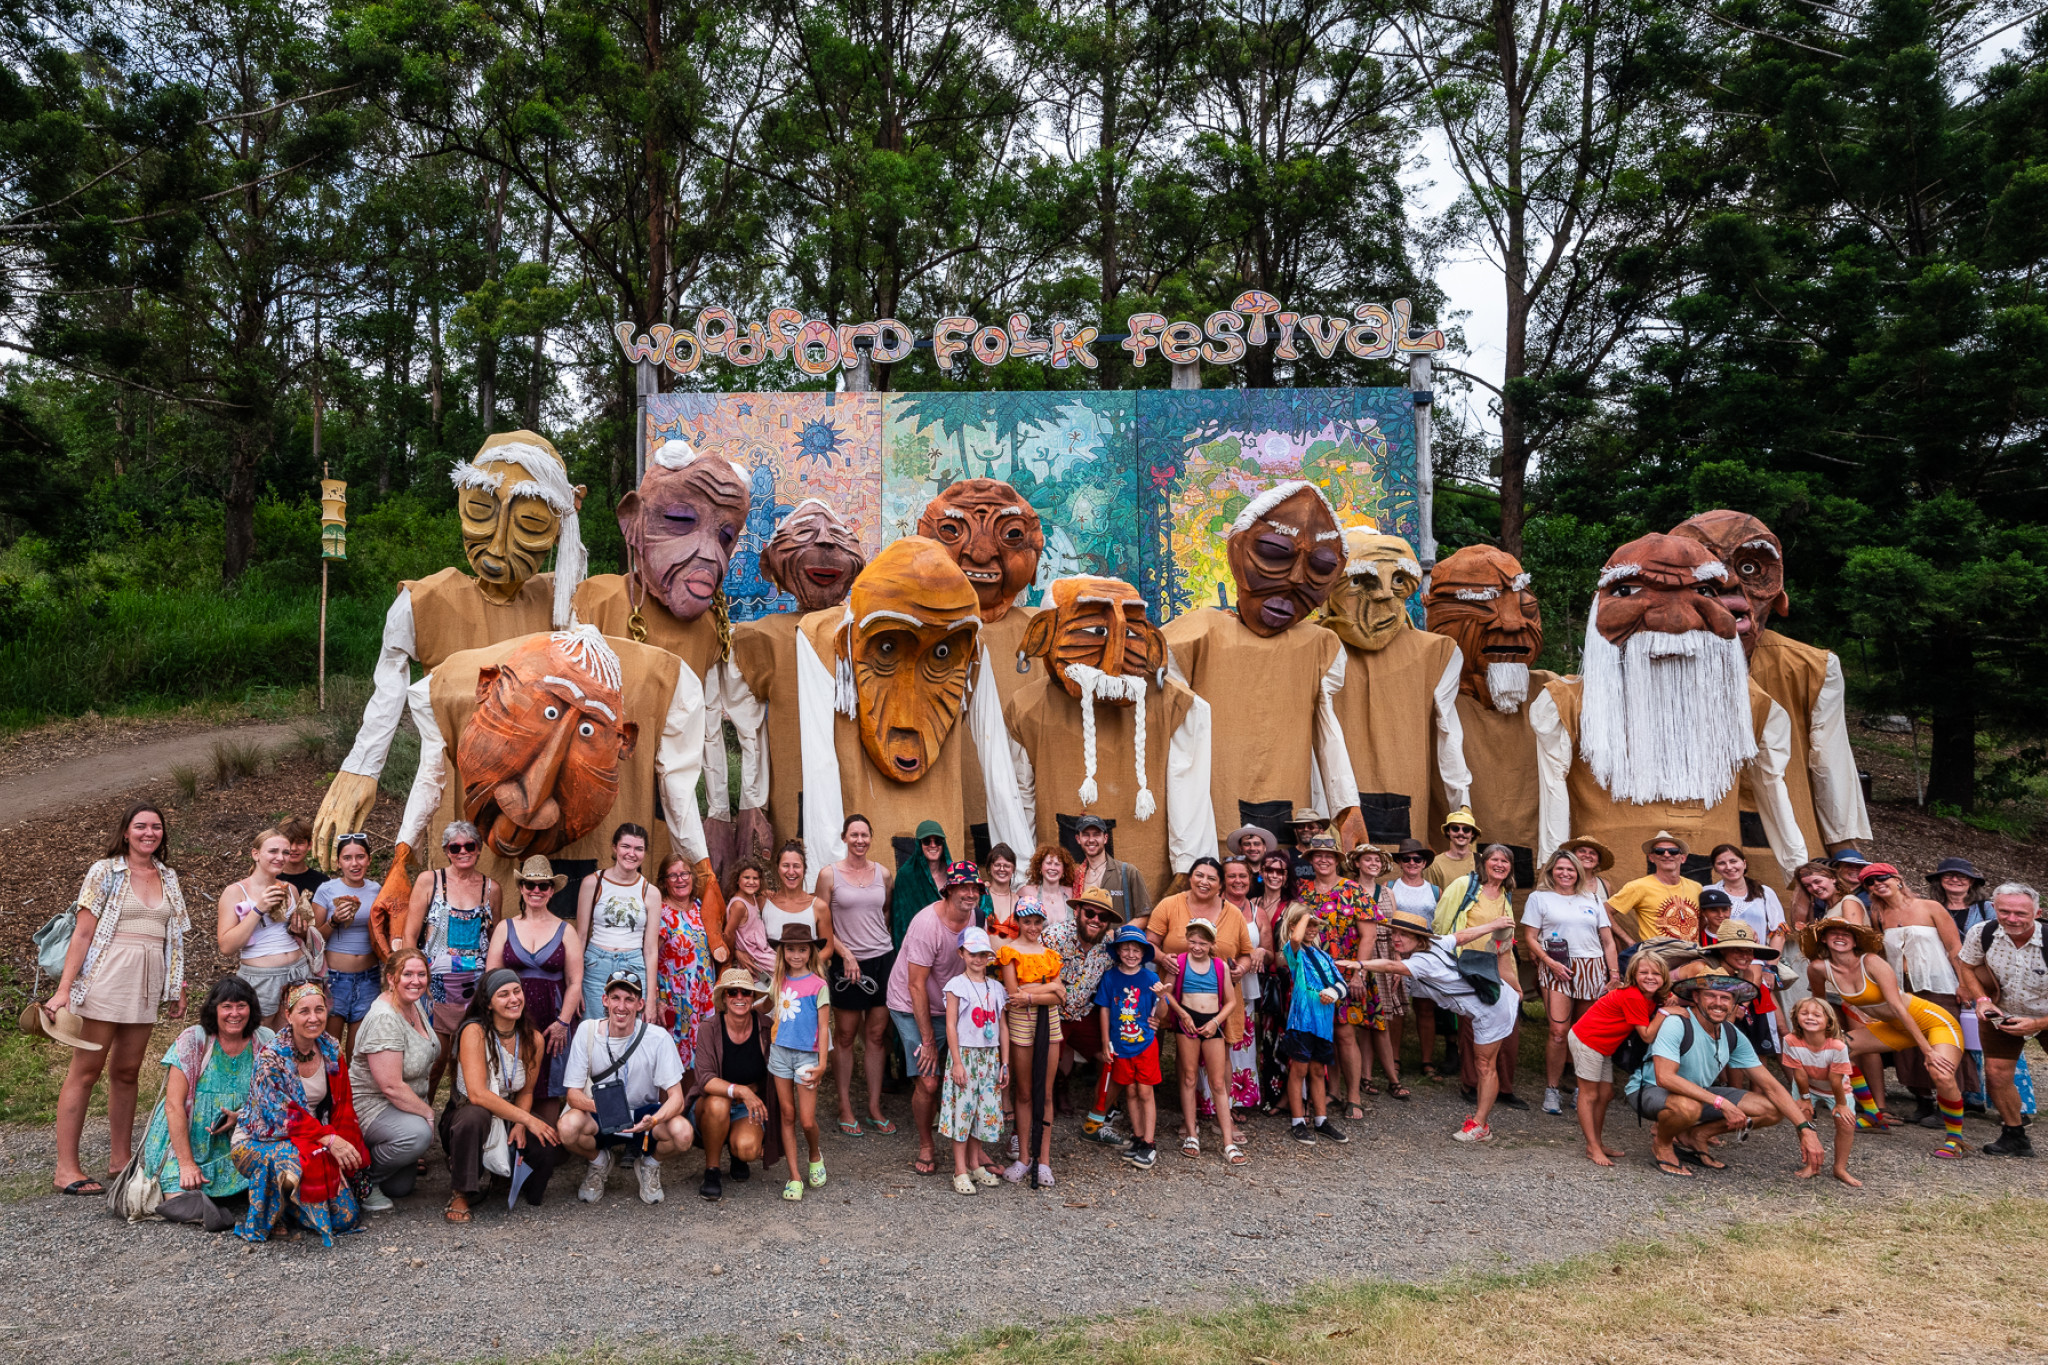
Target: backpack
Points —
{"points": [[1634, 1051]]}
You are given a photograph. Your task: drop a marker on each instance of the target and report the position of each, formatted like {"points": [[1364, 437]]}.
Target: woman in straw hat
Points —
{"points": [[547, 952], [731, 1103]]}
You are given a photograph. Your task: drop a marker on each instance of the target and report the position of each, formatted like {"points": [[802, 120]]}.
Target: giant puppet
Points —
{"points": [[814, 556], [893, 693], [1101, 730], [1480, 598], [1398, 703], [1654, 733], [1826, 792], [1270, 673], [516, 505]]}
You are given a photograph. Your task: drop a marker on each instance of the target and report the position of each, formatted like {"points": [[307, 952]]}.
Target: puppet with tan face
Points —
{"points": [[1827, 794], [893, 693], [814, 556], [1397, 705], [547, 744], [1479, 597], [1664, 719], [1100, 730], [1270, 673], [516, 506]]}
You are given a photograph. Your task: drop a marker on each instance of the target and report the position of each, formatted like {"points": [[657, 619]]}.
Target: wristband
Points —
{"points": [[1806, 1127]]}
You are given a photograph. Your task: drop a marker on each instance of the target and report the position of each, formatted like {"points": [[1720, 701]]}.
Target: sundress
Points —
{"points": [[218, 1084], [278, 1138], [542, 975], [975, 1109], [1384, 994], [1269, 1011], [684, 975], [1343, 911]]}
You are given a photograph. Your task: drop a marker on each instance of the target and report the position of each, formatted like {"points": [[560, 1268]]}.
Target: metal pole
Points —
{"points": [[320, 692], [323, 634], [861, 378], [649, 384], [1425, 477]]}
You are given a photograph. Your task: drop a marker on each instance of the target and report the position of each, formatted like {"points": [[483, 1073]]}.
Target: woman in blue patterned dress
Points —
{"points": [[298, 1143], [188, 1142]]}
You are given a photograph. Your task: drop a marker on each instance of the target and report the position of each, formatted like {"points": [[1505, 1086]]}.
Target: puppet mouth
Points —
{"points": [[983, 575], [1506, 653], [824, 577], [1278, 612]]}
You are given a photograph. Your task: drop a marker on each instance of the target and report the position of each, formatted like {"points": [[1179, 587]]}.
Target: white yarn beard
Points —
{"points": [[1094, 683], [1665, 717], [1508, 685]]}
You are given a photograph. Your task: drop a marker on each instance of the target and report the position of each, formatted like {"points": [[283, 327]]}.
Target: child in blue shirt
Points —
{"points": [[1129, 1006], [801, 1036], [1309, 1043]]}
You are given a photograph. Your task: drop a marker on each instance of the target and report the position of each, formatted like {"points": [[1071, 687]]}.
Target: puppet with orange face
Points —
{"points": [[1664, 719], [1269, 672], [1100, 730]]}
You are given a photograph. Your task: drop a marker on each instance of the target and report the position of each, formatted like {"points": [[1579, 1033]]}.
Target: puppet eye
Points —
{"points": [[1749, 568], [1624, 589], [1014, 534], [1274, 548], [1323, 561], [680, 516], [1098, 632], [942, 650], [586, 729], [551, 713], [1707, 590], [725, 535]]}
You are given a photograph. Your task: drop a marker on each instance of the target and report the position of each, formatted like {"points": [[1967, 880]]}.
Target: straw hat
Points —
{"points": [[1235, 842], [1665, 836], [1737, 934], [1868, 940], [735, 979], [538, 869], [63, 1029], [1409, 922], [1096, 897], [1606, 854]]}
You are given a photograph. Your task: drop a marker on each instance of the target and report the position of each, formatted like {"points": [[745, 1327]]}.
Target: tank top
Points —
{"points": [[502, 1064], [860, 914], [271, 938], [456, 935], [1916, 954], [773, 918], [540, 973], [352, 938], [142, 921], [1416, 900], [618, 917]]}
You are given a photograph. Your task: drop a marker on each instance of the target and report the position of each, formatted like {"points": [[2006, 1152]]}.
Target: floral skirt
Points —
{"points": [[973, 1110], [1244, 1078], [267, 1165]]}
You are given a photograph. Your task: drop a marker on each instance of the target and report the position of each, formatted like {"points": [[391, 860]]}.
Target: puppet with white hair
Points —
{"points": [[1271, 673], [1664, 720], [516, 506], [1398, 705]]}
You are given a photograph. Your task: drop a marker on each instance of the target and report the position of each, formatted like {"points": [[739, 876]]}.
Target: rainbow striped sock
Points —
{"points": [[1952, 1121], [1866, 1107]]}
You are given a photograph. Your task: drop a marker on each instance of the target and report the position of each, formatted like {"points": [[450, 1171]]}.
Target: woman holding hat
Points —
{"points": [[125, 962], [1848, 966], [1430, 963], [1343, 913], [547, 952], [297, 1140], [689, 954], [1564, 927], [732, 1105], [489, 1122]]}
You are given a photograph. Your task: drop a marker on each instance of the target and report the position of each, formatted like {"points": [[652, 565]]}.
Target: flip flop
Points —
{"points": [[1672, 1168], [1694, 1157], [850, 1129], [1355, 1113], [87, 1186], [924, 1166], [453, 1214], [882, 1126]]}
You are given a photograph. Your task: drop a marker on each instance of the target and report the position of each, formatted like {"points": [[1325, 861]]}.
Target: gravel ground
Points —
{"points": [[881, 1263]]}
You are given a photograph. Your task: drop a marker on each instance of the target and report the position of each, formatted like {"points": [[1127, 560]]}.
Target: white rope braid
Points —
{"points": [[1094, 683], [586, 648]]}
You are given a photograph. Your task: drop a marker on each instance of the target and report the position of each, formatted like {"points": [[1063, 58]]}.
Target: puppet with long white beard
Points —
{"points": [[1655, 732]]}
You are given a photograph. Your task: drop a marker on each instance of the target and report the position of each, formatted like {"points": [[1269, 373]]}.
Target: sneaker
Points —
{"points": [[793, 1191], [1142, 1155], [1104, 1132], [2011, 1142], [1325, 1128], [592, 1188], [816, 1172], [739, 1170], [962, 1184], [1016, 1171], [650, 1180], [985, 1177], [1553, 1103], [1301, 1133], [713, 1187], [376, 1201], [1474, 1131], [1510, 1100], [1045, 1177], [1013, 1146]]}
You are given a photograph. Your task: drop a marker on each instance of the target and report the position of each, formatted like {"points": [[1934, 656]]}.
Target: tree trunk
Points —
{"points": [[540, 334], [1514, 436], [1952, 679], [247, 442]]}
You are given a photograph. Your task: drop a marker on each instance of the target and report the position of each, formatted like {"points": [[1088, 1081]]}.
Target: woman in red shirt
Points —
{"points": [[1604, 1027]]}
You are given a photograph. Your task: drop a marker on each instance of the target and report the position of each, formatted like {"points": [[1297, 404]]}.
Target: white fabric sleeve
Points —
{"points": [[1190, 809], [678, 763], [717, 787], [1333, 756], [749, 716], [388, 683], [1012, 813], [1773, 802], [1026, 774], [1450, 735], [430, 780], [824, 804], [1553, 764], [1831, 763]]}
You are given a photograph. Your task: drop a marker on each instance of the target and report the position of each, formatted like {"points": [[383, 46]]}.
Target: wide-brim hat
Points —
{"points": [[1235, 841], [1461, 816], [1411, 923], [1319, 843], [1665, 836], [1737, 934], [1868, 940], [963, 874], [1687, 987], [1097, 897], [1304, 815], [1847, 857], [1606, 854], [736, 979], [537, 869], [65, 1028], [1408, 846], [795, 934], [1960, 865], [1130, 933]]}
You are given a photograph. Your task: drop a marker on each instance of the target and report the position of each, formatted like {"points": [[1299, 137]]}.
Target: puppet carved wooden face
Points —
{"points": [[681, 525], [1284, 556], [813, 556], [1369, 605], [540, 755], [1664, 585], [511, 500], [912, 645], [1480, 598], [994, 536], [1754, 558], [1096, 626]]}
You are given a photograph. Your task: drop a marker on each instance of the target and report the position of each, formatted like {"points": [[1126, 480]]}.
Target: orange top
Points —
{"points": [[1034, 968]]}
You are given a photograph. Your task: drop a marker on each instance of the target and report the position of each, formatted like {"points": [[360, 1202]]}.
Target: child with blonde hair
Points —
{"points": [[1816, 1060], [971, 1105], [800, 1036]]}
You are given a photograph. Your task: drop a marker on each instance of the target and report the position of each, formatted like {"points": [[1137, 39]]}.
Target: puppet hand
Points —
{"points": [[347, 804]]}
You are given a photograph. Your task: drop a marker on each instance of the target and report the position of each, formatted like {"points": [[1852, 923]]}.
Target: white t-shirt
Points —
{"points": [[654, 1066], [1578, 918], [1416, 900], [1761, 915], [1433, 974], [979, 1010]]}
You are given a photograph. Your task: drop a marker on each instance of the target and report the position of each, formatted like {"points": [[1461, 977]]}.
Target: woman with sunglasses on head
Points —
{"points": [[450, 918], [618, 913], [857, 890], [341, 912], [1920, 946], [547, 952]]}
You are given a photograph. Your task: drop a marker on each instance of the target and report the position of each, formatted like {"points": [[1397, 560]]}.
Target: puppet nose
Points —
{"points": [[1510, 617], [533, 790]]}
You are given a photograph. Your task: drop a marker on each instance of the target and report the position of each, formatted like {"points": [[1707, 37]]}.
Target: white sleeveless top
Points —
{"points": [[618, 917]]}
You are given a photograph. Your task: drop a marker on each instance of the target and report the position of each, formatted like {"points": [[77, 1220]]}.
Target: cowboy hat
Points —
{"points": [[1305, 815], [1408, 846], [1235, 842], [1408, 922], [1689, 986], [963, 874], [1737, 934], [1665, 836], [795, 934], [735, 979], [1461, 816], [537, 869], [1097, 897], [63, 1029], [1606, 858], [1868, 940], [1959, 865]]}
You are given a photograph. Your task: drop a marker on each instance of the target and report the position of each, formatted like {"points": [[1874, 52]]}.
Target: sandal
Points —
{"points": [[1692, 1156], [87, 1186], [793, 1191], [925, 1165], [1356, 1113], [882, 1126], [1674, 1169], [1400, 1091], [1951, 1151], [1367, 1088], [1191, 1146], [1429, 1073], [1233, 1153], [453, 1214], [851, 1129]]}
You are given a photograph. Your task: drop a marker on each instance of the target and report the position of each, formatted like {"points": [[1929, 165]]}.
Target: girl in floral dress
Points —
{"points": [[691, 955]]}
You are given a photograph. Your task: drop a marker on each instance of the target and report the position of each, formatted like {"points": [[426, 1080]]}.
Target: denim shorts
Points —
{"points": [[906, 1029], [354, 993], [598, 965], [787, 1061]]}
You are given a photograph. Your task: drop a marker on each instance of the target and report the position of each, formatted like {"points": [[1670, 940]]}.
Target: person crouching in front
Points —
{"points": [[625, 1081]]}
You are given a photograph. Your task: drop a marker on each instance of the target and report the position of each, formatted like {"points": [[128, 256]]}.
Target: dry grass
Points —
{"points": [[1853, 1286], [235, 759]]}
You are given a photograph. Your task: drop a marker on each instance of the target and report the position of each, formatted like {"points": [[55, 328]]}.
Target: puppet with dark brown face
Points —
{"points": [[1664, 719], [1827, 793], [992, 534], [1285, 557], [813, 556], [1100, 730]]}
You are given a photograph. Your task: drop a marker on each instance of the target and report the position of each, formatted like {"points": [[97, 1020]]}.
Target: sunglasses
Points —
{"points": [[1667, 853], [537, 886], [342, 841], [1097, 916], [467, 846], [1412, 858]]}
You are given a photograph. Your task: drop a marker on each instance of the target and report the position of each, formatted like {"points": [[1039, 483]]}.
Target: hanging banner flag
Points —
{"points": [[817, 347]]}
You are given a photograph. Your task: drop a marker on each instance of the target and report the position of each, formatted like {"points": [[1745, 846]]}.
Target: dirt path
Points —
{"points": [[118, 765]]}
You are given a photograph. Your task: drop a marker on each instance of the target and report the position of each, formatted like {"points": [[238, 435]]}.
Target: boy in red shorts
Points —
{"points": [[1129, 1004]]}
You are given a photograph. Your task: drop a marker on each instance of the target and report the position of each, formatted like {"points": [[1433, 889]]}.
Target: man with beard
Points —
{"points": [[1272, 673], [1654, 734], [1400, 690], [880, 724], [813, 556], [516, 504], [1825, 790], [1102, 731], [1480, 598]]}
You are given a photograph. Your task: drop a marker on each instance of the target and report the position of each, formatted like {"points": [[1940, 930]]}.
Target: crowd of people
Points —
{"points": [[1279, 981]]}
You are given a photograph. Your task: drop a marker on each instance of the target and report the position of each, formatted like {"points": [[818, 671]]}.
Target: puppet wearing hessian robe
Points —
{"points": [[1269, 673], [1398, 703], [547, 744], [893, 690], [1480, 598], [813, 556], [1100, 730], [516, 505], [1654, 733], [1827, 794]]}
